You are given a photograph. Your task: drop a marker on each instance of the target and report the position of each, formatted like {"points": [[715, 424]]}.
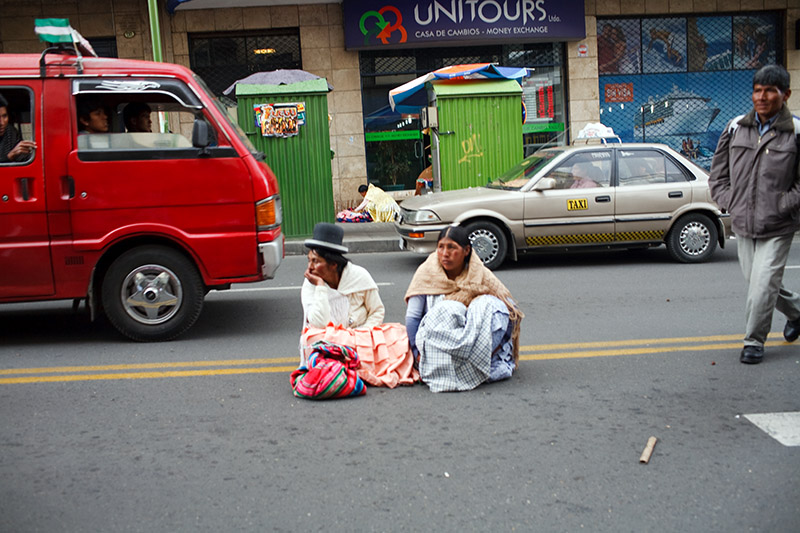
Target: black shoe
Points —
{"points": [[752, 355], [792, 330]]}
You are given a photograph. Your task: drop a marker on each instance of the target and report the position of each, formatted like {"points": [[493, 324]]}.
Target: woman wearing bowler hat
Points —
{"points": [[341, 304]]}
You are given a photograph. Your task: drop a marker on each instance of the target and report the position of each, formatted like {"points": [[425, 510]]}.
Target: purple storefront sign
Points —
{"points": [[376, 24]]}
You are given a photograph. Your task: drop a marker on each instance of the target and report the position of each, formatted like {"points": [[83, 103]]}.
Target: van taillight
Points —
{"points": [[268, 213]]}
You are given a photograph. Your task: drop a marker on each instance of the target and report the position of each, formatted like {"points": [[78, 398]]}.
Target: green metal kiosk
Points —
{"points": [[289, 123], [477, 130]]}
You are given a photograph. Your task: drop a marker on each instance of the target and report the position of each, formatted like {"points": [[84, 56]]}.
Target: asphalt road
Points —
{"points": [[203, 434]]}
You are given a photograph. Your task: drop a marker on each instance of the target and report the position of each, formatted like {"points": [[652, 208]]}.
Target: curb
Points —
{"points": [[355, 246]]}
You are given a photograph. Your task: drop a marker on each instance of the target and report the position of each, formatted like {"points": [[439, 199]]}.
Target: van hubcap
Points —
{"points": [[151, 294]]}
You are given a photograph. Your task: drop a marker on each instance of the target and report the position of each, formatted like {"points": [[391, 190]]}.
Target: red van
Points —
{"points": [[141, 224]]}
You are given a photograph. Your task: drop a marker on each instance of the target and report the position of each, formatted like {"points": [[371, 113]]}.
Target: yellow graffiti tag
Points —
{"points": [[472, 148]]}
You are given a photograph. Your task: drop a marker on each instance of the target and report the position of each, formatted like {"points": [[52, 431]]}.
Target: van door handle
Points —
{"points": [[25, 188], [675, 194], [602, 199], [67, 187]]}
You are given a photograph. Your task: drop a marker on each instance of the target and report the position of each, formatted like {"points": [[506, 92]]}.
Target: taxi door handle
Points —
{"points": [[602, 199], [676, 194]]}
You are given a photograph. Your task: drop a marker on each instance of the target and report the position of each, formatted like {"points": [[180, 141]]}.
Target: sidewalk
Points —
{"points": [[358, 238]]}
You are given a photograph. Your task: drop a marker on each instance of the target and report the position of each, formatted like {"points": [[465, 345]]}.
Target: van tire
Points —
{"points": [[692, 239], [489, 242], [154, 275]]}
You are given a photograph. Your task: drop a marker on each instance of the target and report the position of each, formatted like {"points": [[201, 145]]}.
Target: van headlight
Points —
{"points": [[422, 216]]}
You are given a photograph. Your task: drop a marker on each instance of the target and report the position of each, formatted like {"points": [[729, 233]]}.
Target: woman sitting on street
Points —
{"points": [[462, 322], [341, 305]]}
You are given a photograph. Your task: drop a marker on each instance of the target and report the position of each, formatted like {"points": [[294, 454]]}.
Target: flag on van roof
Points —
{"points": [[54, 30], [59, 31]]}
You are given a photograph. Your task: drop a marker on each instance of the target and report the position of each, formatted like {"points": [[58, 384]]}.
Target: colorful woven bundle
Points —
{"points": [[331, 373]]}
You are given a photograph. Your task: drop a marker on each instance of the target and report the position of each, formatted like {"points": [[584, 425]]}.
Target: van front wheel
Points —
{"points": [[152, 293]]}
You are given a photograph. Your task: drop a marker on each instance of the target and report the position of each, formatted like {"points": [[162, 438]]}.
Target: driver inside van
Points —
{"points": [[136, 117], [92, 117]]}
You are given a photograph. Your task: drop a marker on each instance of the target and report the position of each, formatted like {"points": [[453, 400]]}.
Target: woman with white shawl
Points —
{"points": [[341, 304]]}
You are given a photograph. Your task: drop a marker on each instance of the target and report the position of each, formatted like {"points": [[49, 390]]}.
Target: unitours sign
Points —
{"points": [[404, 23]]}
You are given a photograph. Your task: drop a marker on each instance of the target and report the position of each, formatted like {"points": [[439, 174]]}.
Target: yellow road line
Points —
{"points": [[148, 375], [528, 353], [144, 366], [636, 351], [633, 342]]}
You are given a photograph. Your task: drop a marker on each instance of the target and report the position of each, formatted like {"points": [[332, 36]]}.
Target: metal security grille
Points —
{"points": [[104, 46], [678, 80], [222, 58]]}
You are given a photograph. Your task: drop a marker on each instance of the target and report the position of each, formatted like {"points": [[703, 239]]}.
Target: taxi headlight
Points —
{"points": [[420, 217]]}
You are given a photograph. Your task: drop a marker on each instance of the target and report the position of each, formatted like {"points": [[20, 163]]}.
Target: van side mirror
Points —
{"points": [[545, 184], [200, 133]]}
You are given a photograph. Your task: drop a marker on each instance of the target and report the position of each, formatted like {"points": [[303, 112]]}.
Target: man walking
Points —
{"points": [[755, 176]]}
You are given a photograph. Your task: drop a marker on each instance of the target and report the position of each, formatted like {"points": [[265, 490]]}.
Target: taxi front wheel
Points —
{"points": [[489, 242], [692, 239], [152, 293]]}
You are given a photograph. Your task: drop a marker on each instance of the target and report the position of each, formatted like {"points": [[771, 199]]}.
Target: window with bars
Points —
{"points": [[678, 80], [222, 58]]}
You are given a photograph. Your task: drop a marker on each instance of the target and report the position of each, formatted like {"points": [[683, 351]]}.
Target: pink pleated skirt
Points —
{"points": [[386, 359]]}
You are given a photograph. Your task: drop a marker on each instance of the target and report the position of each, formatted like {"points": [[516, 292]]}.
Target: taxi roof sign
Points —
{"points": [[595, 131]]}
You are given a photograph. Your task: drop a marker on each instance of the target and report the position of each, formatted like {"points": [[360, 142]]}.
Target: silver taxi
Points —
{"points": [[624, 195]]}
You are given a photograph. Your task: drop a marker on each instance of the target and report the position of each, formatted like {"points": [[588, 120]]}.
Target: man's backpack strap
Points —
{"points": [[733, 124]]}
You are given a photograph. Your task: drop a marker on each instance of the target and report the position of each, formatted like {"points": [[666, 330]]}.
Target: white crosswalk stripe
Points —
{"points": [[783, 427]]}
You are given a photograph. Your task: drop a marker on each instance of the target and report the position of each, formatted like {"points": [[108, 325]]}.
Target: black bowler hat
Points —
{"points": [[328, 237]]}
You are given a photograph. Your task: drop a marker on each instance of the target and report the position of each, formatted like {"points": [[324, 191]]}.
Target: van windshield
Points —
{"points": [[228, 112], [522, 172]]}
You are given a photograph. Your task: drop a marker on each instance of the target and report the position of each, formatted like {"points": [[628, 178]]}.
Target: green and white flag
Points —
{"points": [[54, 30]]}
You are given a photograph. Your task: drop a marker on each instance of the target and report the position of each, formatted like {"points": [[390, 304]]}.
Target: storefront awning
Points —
{"points": [[410, 96]]}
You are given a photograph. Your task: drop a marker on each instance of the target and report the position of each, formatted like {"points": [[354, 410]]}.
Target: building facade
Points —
{"points": [[659, 70]]}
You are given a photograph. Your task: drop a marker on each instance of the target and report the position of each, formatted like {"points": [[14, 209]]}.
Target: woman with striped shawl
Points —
{"points": [[462, 322]]}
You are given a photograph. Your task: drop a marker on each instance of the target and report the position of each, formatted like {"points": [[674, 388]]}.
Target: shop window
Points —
{"points": [[222, 58], [678, 80], [397, 146]]}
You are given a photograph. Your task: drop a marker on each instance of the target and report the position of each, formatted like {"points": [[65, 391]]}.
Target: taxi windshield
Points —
{"points": [[521, 173]]}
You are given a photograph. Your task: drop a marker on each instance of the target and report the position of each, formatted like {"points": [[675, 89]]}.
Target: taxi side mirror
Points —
{"points": [[545, 184]]}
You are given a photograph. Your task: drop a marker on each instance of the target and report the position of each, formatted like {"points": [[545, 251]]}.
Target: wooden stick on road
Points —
{"points": [[648, 450]]}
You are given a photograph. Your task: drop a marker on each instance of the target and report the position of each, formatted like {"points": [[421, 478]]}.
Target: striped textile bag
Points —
{"points": [[331, 373]]}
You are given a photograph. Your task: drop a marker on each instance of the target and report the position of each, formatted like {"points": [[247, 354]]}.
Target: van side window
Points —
{"points": [[130, 120], [17, 144]]}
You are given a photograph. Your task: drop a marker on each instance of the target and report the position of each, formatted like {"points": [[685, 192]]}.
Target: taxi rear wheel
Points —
{"points": [[489, 242], [692, 239]]}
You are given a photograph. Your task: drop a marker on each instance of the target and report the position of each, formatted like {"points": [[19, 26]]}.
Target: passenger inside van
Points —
{"points": [[12, 147]]}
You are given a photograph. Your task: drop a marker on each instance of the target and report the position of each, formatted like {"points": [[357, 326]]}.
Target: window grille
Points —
{"points": [[222, 58], [679, 80]]}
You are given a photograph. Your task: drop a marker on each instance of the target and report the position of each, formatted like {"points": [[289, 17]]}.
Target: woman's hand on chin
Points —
{"points": [[313, 278]]}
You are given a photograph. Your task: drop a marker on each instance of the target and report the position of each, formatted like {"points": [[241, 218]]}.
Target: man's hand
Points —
{"points": [[22, 150]]}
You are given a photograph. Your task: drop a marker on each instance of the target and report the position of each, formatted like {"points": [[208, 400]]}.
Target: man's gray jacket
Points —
{"points": [[757, 179]]}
